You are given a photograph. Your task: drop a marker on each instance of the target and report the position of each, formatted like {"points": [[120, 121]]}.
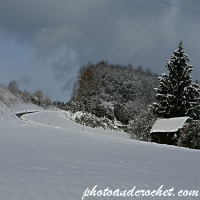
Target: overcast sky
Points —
{"points": [[43, 43]]}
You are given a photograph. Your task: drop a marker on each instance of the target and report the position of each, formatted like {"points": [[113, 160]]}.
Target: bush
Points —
{"points": [[141, 126], [40, 99], [13, 87]]}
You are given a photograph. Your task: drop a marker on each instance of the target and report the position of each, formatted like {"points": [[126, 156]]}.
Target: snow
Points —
{"points": [[43, 159], [169, 125]]}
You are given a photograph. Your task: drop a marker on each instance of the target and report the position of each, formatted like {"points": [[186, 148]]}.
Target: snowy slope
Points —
{"points": [[11, 104], [59, 161], [7, 99]]}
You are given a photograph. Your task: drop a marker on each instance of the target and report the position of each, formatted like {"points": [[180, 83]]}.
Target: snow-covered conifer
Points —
{"points": [[177, 95], [190, 135]]}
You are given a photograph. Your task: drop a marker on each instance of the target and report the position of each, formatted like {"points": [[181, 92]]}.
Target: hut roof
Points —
{"points": [[169, 125]]}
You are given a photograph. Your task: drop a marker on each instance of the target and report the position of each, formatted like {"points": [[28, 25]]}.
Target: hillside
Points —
{"points": [[116, 93], [10, 104], [46, 156], [57, 160], [7, 100]]}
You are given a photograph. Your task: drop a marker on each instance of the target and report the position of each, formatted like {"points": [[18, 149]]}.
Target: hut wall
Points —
{"points": [[165, 137]]}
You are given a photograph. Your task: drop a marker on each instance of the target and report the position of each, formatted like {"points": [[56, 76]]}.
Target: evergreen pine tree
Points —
{"points": [[176, 95], [189, 135]]}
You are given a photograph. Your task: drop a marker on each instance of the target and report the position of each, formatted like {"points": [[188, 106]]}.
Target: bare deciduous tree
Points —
{"points": [[13, 86]]}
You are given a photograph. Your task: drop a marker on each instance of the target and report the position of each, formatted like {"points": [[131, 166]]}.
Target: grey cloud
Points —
{"points": [[50, 39], [65, 65], [25, 79], [140, 32], [69, 84]]}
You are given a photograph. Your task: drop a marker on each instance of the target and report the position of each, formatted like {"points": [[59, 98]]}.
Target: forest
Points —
{"points": [[115, 96]]}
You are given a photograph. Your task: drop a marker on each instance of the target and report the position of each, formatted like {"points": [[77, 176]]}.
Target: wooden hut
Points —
{"points": [[167, 131]]}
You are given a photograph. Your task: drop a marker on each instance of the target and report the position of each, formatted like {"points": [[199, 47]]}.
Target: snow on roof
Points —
{"points": [[169, 125]]}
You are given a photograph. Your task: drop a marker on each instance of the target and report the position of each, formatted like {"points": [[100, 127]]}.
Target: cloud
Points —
{"points": [[69, 84], [95, 30], [65, 63], [49, 39], [64, 35], [25, 79]]}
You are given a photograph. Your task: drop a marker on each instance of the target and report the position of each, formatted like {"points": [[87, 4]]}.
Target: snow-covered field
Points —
{"points": [[46, 156]]}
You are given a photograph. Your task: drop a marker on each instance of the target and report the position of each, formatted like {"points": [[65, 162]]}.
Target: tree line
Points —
{"points": [[38, 97]]}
